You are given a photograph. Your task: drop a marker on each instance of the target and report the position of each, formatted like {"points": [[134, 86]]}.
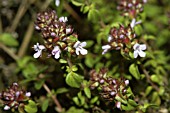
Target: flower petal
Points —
{"points": [[135, 54], [135, 46], [106, 47], [83, 44], [41, 47], [37, 54], [57, 55], [109, 38], [76, 44], [83, 51], [143, 47], [132, 24], [6, 107], [142, 54], [57, 2], [77, 51]]}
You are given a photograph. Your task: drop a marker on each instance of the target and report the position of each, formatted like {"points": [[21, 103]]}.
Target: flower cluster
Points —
{"points": [[13, 97], [131, 8], [111, 88], [119, 38], [57, 35], [123, 38]]}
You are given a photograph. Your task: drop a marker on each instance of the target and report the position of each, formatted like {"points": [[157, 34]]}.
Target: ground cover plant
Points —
{"points": [[84, 56]]}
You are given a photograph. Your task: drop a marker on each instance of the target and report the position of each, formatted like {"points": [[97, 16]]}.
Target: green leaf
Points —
{"points": [[31, 107], [74, 80], [133, 69], [76, 100], [155, 98], [62, 61], [132, 102], [39, 84], [74, 68], [87, 92], [76, 3], [157, 79], [62, 90], [93, 15], [148, 90], [75, 110], [94, 100], [121, 99], [45, 105], [8, 40], [128, 107]]}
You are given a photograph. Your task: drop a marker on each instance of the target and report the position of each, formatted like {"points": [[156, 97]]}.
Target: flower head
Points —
{"points": [[38, 48], [138, 50], [79, 48], [56, 51], [14, 96]]}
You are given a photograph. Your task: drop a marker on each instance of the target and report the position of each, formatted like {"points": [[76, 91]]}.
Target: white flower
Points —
{"points": [[68, 30], [63, 19], [56, 51], [127, 82], [144, 1], [28, 94], [79, 48], [6, 107], [138, 50], [39, 49], [118, 105], [57, 2], [133, 23], [106, 48], [109, 38]]}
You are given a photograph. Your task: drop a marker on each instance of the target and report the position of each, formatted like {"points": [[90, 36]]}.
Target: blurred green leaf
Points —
{"points": [[38, 84], [45, 105], [74, 80], [31, 107], [148, 90], [77, 3], [133, 69], [8, 40], [61, 90], [87, 92]]}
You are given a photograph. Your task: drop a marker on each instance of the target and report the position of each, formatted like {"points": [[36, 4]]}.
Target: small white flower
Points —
{"points": [[127, 82], [28, 94], [138, 50], [68, 30], [63, 19], [79, 48], [118, 105], [109, 38], [105, 48], [144, 1], [113, 93], [57, 2], [39, 49], [56, 51], [6, 107], [133, 23]]}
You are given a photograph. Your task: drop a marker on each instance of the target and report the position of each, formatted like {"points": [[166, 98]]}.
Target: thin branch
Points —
{"points": [[149, 79], [26, 40], [53, 97], [9, 52], [70, 10], [21, 11], [1, 30]]}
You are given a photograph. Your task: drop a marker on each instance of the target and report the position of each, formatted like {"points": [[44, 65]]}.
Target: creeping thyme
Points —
{"points": [[57, 35], [111, 88], [131, 8], [14, 96]]}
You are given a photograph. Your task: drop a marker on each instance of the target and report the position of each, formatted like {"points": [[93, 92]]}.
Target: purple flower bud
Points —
{"points": [[127, 82]]}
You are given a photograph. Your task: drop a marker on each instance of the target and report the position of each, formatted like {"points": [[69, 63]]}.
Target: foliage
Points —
{"points": [[84, 56]]}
